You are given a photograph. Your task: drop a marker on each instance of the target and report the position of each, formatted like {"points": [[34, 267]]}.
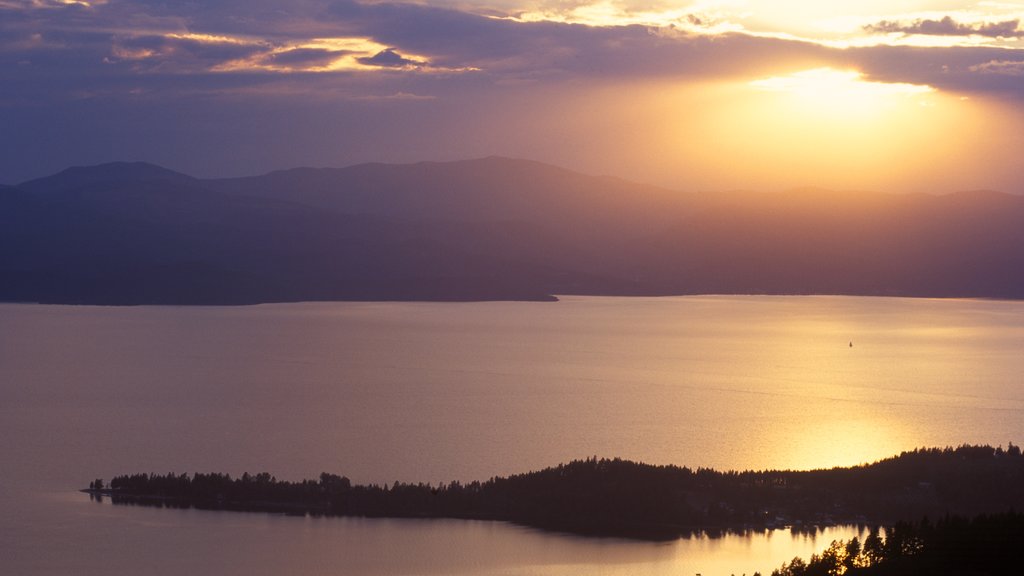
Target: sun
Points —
{"points": [[822, 127], [841, 94]]}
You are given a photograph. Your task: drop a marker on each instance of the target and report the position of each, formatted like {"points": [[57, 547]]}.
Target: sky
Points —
{"points": [[695, 95]]}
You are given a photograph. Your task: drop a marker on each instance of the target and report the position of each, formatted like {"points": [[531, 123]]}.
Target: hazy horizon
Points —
{"points": [[598, 174]]}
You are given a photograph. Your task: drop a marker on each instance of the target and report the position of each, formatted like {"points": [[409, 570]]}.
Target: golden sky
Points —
{"points": [[695, 95]]}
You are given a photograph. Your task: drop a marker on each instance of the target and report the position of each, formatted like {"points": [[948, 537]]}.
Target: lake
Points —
{"points": [[461, 391]]}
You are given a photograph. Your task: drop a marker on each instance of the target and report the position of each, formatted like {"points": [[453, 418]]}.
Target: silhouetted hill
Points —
{"points": [[135, 234], [494, 228], [489, 189], [113, 173], [964, 244]]}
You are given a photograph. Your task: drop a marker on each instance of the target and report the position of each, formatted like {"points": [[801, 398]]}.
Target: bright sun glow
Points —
{"points": [[828, 81], [818, 126], [840, 95], [844, 88]]}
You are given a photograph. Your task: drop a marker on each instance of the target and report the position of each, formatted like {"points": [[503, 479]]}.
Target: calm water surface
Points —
{"points": [[437, 392]]}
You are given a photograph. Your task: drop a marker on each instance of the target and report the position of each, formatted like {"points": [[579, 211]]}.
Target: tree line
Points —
{"points": [[986, 545], [622, 498]]}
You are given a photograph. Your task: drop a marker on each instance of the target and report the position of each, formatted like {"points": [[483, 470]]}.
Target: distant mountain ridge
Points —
{"points": [[104, 174], [492, 228]]}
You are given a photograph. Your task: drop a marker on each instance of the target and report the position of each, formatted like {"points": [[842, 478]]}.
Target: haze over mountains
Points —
{"points": [[494, 228]]}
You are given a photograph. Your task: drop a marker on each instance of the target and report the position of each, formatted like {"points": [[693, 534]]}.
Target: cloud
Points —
{"points": [[397, 96], [947, 26], [305, 57], [388, 58], [372, 48], [48, 4], [1000, 67], [964, 71], [173, 53]]}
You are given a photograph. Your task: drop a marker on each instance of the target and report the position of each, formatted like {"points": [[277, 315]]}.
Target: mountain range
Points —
{"points": [[486, 229]]}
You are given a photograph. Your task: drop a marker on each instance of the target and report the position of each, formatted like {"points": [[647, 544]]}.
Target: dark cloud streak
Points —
{"points": [[306, 56], [390, 59], [958, 69], [947, 26]]}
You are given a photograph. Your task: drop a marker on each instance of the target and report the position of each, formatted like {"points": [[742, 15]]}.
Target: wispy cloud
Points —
{"points": [[48, 4], [396, 97], [1000, 67]]}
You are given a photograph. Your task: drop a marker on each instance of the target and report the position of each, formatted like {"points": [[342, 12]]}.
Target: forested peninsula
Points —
{"points": [[613, 497]]}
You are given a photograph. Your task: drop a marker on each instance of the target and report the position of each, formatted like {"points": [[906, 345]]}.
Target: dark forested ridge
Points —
{"points": [[622, 498], [488, 229], [986, 545]]}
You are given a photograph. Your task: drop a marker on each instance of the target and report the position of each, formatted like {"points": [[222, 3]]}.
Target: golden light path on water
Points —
{"points": [[862, 390]]}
